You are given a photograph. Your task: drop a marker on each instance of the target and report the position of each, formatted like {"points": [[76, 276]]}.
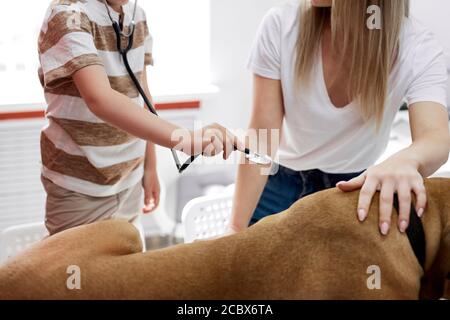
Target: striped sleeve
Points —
{"points": [[66, 45], [148, 45]]}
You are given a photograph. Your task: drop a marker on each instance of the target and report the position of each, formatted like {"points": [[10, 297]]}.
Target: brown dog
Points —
{"points": [[315, 250]]}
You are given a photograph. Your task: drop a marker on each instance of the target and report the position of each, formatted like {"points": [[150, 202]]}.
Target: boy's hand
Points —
{"points": [[152, 191], [214, 139]]}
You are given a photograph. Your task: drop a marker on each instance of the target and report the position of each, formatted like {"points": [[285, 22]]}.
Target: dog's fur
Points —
{"points": [[317, 249]]}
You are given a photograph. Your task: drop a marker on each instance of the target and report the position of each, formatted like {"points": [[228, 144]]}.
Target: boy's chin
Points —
{"points": [[118, 2], [322, 3]]}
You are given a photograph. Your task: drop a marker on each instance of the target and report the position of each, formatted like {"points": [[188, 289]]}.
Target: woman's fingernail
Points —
{"points": [[384, 228], [420, 212], [403, 226], [361, 215]]}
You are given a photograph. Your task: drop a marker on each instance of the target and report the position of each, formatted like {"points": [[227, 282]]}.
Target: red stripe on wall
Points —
{"points": [[22, 115], [178, 105]]}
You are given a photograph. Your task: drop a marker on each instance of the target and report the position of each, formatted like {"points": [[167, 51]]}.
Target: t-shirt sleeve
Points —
{"points": [[66, 45], [148, 49], [148, 44], [265, 56], [429, 73]]}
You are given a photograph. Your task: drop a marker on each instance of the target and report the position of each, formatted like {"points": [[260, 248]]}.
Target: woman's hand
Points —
{"points": [[152, 191], [396, 175]]}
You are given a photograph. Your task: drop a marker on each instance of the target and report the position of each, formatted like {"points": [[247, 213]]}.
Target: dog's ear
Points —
{"points": [[431, 288], [447, 288], [434, 282]]}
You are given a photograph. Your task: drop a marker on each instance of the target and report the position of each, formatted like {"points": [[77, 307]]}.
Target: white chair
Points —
{"points": [[206, 217], [13, 240]]}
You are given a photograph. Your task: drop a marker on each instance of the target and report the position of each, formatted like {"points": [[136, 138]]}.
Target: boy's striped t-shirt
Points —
{"points": [[80, 152]]}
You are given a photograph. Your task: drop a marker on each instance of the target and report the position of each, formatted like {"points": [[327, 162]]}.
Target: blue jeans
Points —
{"points": [[287, 186]]}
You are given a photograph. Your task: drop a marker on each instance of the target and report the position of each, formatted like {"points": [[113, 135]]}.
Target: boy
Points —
{"points": [[94, 164]]}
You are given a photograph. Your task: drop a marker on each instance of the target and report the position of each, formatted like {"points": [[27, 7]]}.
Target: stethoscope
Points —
{"points": [[252, 156]]}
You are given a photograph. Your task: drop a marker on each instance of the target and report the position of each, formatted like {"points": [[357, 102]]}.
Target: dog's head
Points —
{"points": [[438, 273]]}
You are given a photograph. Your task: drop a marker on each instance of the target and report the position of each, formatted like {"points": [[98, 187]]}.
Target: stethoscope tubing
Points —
{"points": [[124, 53], [152, 109], [133, 21]]}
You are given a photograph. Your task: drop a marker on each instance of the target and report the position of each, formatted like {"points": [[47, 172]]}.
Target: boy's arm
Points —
{"points": [[120, 111]]}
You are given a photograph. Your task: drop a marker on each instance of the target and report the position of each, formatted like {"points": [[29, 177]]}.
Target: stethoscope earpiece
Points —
{"points": [[116, 25], [119, 32]]}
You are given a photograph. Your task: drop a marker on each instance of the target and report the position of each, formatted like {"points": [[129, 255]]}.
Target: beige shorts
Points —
{"points": [[67, 209]]}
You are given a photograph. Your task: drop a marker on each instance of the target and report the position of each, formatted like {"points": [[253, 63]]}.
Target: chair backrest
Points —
{"points": [[13, 240], [206, 217]]}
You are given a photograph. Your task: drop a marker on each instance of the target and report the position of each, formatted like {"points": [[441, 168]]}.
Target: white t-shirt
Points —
{"points": [[316, 134]]}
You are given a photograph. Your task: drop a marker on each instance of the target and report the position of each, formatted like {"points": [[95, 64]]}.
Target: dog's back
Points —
{"points": [[317, 249]]}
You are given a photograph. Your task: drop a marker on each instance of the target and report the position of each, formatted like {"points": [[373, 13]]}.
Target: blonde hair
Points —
{"points": [[372, 53]]}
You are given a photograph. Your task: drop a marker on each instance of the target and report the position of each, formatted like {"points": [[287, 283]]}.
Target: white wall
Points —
{"points": [[435, 14], [234, 24]]}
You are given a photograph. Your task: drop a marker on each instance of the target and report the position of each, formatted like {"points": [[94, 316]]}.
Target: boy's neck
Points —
{"points": [[116, 7]]}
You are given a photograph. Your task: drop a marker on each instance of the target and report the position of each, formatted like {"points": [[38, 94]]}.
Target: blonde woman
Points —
{"points": [[333, 86]]}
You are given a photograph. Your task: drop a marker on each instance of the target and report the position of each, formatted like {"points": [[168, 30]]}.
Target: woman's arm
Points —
{"points": [[268, 113], [430, 135], [403, 173]]}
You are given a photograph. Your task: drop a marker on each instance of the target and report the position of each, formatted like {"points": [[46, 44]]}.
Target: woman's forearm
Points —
{"points": [[264, 137], [249, 187], [252, 178], [429, 153]]}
